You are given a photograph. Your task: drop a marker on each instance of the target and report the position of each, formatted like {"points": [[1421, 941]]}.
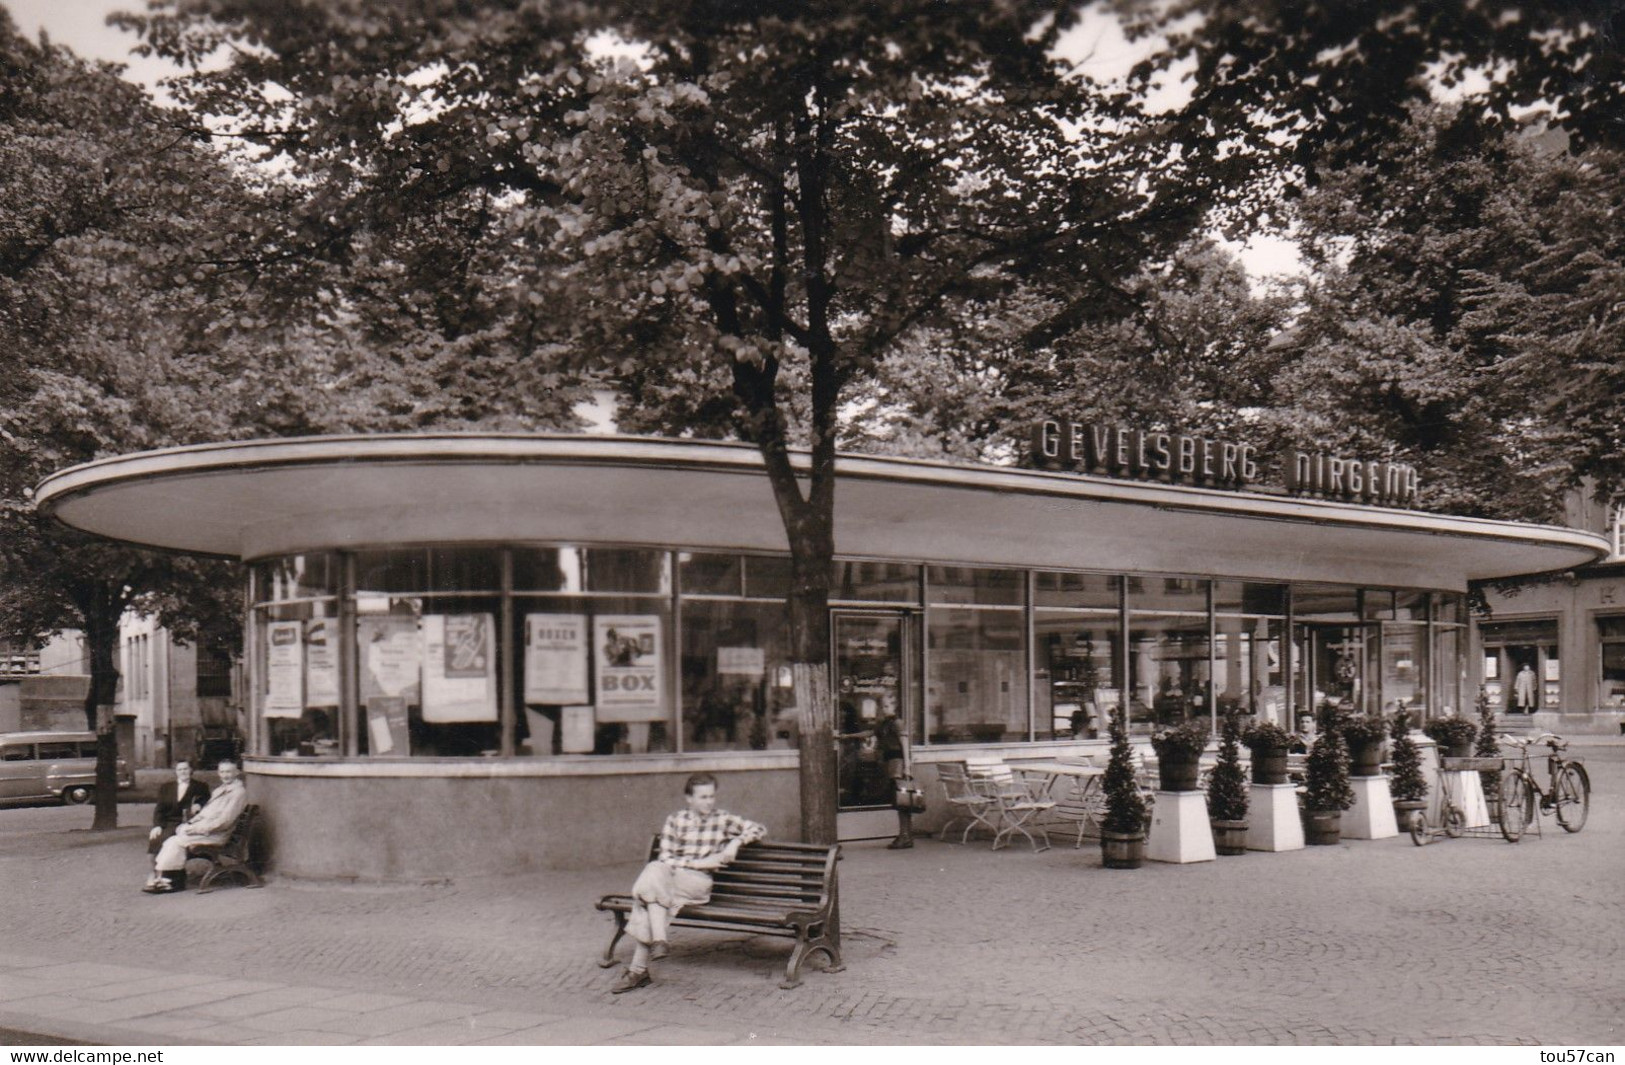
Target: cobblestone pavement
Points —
{"points": [[1368, 942]]}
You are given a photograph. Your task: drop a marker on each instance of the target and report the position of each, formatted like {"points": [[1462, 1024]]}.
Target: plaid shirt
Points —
{"points": [[686, 837]]}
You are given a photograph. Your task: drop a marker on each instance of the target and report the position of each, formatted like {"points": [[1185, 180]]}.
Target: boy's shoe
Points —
{"points": [[900, 844], [630, 981], [659, 949]]}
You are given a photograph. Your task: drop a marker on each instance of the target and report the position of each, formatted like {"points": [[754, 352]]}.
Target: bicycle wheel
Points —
{"points": [[1514, 799], [1419, 828], [1573, 798], [1455, 822]]}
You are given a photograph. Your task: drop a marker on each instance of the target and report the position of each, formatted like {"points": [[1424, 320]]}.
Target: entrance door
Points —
{"points": [[875, 663], [1333, 668]]}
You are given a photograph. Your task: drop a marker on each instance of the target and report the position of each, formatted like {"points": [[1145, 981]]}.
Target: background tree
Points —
{"points": [[703, 202]]}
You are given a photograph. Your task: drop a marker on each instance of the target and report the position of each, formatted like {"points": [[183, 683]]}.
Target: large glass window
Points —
{"points": [[1611, 637], [976, 685], [1079, 662], [737, 689], [554, 650], [593, 676]]}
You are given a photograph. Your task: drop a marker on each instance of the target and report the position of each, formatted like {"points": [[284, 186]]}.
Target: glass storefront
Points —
{"points": [[556, 650]]}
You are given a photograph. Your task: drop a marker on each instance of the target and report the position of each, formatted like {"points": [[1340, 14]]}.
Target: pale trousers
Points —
{"points": [[669, 887]]}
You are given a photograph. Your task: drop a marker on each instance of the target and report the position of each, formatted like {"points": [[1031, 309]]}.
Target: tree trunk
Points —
{"points": [[809, 656], [101, 638]]}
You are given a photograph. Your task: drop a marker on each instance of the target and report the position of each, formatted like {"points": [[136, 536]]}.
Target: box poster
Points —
{"points": [[459, 668], [388, 647], [321, 662], [555, 659], [626, 660], [284, 669]]}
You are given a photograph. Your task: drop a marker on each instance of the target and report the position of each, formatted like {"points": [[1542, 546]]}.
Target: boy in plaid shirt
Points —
{"points": [[693, 841]]}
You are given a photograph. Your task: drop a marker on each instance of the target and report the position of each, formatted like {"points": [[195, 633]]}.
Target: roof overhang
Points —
{"points": [[270, 497]]}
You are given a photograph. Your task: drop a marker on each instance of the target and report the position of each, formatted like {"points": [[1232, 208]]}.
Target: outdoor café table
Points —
{"points": [[1073, 788]]}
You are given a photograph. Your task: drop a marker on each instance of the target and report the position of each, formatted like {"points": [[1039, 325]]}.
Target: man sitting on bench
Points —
{"points": [[212, 824], [693, 841]]}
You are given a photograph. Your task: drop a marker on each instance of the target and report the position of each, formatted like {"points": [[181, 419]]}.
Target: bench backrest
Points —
{"points": [[798, 874], [243, 828]]}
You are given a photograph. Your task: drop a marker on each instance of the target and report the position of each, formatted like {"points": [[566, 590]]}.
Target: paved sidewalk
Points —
{"points": [[1374, 942]]}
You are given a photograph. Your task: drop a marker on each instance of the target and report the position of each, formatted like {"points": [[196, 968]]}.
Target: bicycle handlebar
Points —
{"points": [[1552, 740]]}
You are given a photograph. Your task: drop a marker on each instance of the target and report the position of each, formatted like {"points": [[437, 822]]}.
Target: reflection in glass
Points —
{"points": [[977, 686], [1169, 669], [295, 577], [1404, 665], [1249, 666], [732, 659], [1079, 685], [1098, 591], [968, 584], [875, 582]]}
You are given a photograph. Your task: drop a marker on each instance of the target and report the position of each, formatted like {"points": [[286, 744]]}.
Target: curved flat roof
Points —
{"points": [[269, 497]]}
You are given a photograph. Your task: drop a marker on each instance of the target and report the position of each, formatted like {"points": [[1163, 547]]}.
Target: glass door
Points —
{"points": [[875, 664]]}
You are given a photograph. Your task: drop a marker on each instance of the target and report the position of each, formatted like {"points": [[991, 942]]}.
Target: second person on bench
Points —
{"points": [[693, 842]]}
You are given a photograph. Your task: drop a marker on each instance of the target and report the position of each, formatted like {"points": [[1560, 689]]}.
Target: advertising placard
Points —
{"points": [[555, 659], [388, 648], [626, 661], [321, 662], [459, 668], [744, 661], [386, 725], [284, 669]]}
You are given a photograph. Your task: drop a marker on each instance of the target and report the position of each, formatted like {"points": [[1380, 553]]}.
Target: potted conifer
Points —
{"points": [[1407, 784], [1122, 831], [1487, 746], [1327, 792], [1227, 792]]}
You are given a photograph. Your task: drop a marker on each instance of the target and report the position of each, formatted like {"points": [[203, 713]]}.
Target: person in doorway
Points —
{"points": [[891, 745], [1523, 690], [212, 824], [178, 800], [694, 842]]}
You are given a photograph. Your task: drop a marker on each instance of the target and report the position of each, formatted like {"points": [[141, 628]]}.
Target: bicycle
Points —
{"points": [[1568, 794]]}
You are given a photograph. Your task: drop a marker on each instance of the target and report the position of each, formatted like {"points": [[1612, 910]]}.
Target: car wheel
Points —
{"points": [[78, 795]]}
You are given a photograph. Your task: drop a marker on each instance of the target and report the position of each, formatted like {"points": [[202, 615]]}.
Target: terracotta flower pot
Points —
{"points": [[1229, 837], [1122, 850], [1269, 767], [1322, 827]]}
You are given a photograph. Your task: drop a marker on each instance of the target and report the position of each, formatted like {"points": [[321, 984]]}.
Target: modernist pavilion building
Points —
{"points": [[474, 653]]}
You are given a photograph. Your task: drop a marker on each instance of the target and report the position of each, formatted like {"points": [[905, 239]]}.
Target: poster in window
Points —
{"points": [[576, 727], [388, 648], [626, 660], [555, 659], [387, 725], [321, 662], [459, 668], [284, 669], [1553, 666], [742, 661]]}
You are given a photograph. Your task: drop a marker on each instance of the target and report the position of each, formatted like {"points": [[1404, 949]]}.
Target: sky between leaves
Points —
{"points": [[1096, 45]]}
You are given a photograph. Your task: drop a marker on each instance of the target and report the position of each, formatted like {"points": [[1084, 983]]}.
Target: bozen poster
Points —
{"points": [[555, 659], [284, 669], [321, 662], [626, 661], [459, 668]]}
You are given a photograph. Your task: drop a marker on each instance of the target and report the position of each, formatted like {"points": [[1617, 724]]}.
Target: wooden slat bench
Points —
{"points": [[231, 857], [773, 889]]}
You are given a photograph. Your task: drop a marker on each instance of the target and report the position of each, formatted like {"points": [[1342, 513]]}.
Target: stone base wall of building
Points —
{"points": [[324, 822]]}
